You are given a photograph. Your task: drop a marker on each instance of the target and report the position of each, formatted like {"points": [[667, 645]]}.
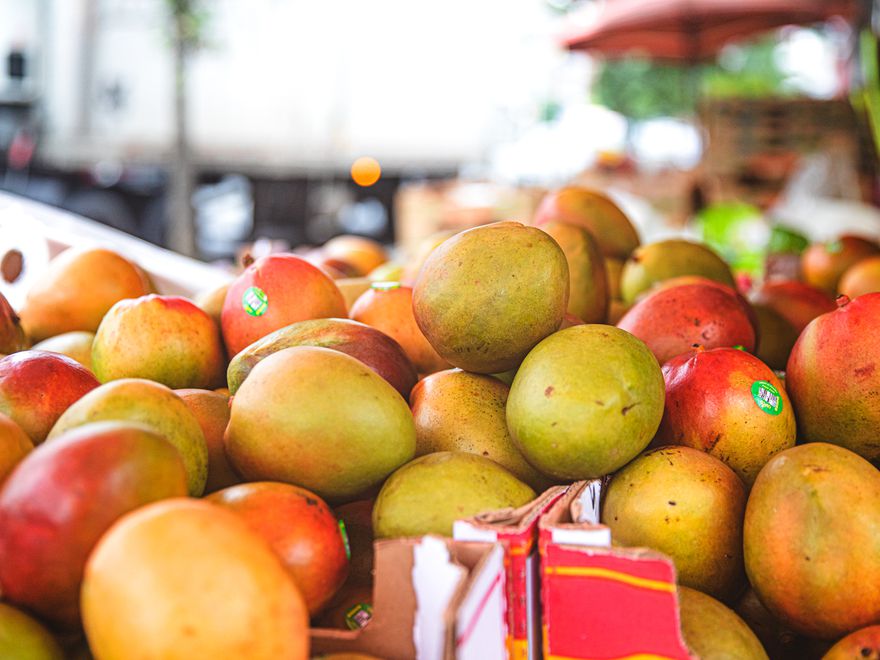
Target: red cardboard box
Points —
{"points": [[600, 602], [434, 599], [517, 531]]}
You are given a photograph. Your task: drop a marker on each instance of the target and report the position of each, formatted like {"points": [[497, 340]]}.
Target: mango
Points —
{"points": [[151, 404], [184, 579], [663, 260], [486, 296], [162, 338], [585, 402], [320, 419], [712, 631], [77, 289], [427, 495], [686, 504]]}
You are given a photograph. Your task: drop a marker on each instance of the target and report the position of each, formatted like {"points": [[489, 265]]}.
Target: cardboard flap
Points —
{"points": [[480, 624], [610, 603], [574, 518], [495, 525], [436, 580], [420, 586]]}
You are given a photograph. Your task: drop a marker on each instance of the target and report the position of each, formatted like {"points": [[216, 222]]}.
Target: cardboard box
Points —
{"points": [[433, 599], [600, 602], [517, 531]]}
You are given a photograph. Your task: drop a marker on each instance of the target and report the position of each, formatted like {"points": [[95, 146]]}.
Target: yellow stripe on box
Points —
{"points": [[607, 574], [518, 649]]}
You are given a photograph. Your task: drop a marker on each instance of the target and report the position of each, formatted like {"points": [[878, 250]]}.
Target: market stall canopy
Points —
{"points": [[692, 30]]}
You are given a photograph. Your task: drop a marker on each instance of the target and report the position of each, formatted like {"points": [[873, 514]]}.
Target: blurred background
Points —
{"points": [[205, 126]]}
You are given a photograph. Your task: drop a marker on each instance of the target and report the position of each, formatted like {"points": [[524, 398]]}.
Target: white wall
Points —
{"points": [[308, 81]]}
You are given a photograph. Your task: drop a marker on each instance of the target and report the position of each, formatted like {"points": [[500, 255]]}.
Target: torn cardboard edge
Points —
{"points": [[516, 530], [600, 601], [434, 599]]}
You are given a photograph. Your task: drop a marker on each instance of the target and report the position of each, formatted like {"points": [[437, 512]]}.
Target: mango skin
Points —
{"points": [[387, 306], [816, 570], [686, 504], [64, 496], [595, 212], [796, 302], [727, 423], [14, 446], [585, 402], [855, 645], [673, 321], [459, 411], [167, 339], [320, 419], [860, 278], [211, 410], [655, 262], [77, 289], [823, 264], [211, 586], [36, 387], [295, 291], [833, 377], [427, 495], [149, 403], [372, 347], [24, 638], [712, 630], [77, 345], [486, 296], [776, 337], [588, 290]]}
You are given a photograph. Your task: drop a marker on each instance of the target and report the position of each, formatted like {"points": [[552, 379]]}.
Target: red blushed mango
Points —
{"points": [[699, 279], [274, 292], [211, 409], [863, 644], [374, 348], [387, 306], [833, 377], [162, 338], [672, 321], [811, 539], [77, 289], [823, 264], [593, 211], [36, 387], [64, 496], [300, 528], [730, 405], [14, 446], [796, 302]]}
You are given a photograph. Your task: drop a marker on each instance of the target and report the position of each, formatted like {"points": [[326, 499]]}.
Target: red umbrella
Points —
{"points": [[692, 30]]}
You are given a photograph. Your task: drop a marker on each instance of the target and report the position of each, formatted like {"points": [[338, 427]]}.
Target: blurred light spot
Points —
{"points": [[365, 171]]}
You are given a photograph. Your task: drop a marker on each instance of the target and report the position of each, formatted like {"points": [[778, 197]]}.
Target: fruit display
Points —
{"points": [[209, 476]]}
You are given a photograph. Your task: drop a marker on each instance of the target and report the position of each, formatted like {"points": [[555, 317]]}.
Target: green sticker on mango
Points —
{"points": [[358, 616], [255, 301], [345, 539], [834, 247], [767, 397]]}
